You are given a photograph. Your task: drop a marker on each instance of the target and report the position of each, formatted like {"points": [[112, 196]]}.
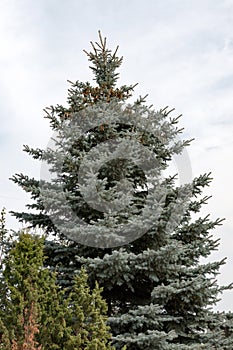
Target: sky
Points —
{"points": [[181, 54]]}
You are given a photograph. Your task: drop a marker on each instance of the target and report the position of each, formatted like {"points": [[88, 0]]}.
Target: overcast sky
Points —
{"points": [[181, 54]]}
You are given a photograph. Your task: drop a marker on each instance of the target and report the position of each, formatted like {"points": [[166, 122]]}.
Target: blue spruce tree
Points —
{"points": [[104, 204]]}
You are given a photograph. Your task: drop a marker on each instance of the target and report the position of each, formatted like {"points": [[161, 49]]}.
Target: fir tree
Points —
{"points": [[159, 295], [19, 309], [36, 313]]}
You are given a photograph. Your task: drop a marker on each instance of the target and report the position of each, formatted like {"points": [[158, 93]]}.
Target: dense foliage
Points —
{"points": [[158, 293], [36, 314]]}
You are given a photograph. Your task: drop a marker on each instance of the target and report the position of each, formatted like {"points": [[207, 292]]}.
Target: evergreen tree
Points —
{"points": [[5, 245], [159, 295], [37, 315]]}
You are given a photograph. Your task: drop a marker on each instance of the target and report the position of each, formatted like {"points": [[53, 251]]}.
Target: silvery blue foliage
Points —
{"points": [[122, 221], [104, 197]]}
